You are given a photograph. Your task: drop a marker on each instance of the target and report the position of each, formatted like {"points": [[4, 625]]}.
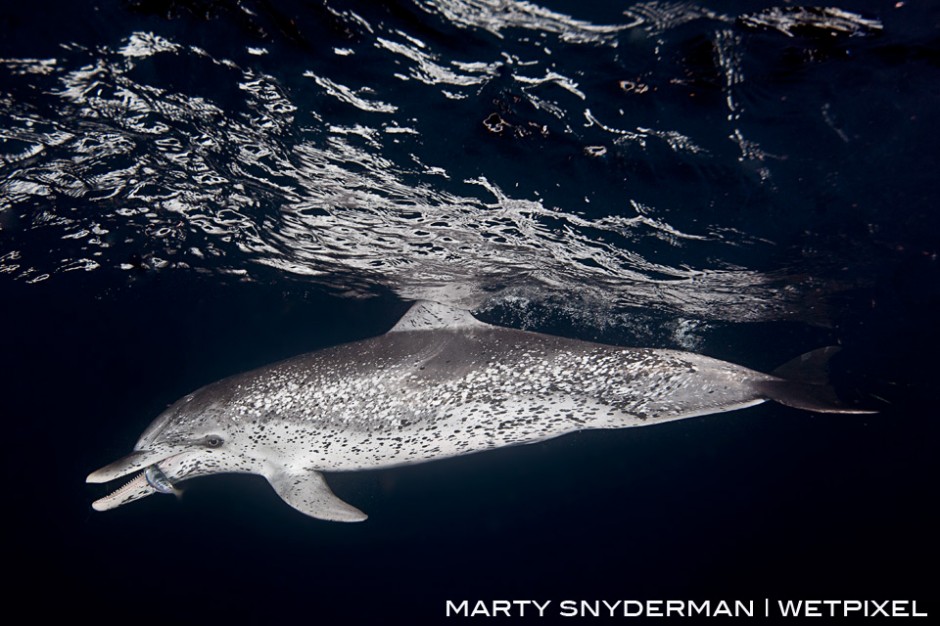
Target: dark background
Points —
{"points": [[767, 502]]}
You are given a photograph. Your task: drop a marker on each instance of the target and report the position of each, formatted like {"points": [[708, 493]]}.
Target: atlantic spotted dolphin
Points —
{"points": [[438, 384]]}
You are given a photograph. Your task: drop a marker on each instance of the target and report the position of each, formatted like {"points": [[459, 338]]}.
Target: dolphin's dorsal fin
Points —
{"points": [[308, 492], [427, 315]]}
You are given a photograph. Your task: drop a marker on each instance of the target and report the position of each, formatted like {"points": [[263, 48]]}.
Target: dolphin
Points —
{"points": [[440, 383]]}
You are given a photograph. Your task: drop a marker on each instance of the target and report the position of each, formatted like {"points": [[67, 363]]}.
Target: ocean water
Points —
{"points": [[190, 189]]}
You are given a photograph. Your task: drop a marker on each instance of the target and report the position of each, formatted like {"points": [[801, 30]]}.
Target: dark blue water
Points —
{"points": [[192, 189]]}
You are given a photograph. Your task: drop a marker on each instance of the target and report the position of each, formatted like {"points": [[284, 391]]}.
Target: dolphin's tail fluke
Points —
{"points": [[803, 383]]}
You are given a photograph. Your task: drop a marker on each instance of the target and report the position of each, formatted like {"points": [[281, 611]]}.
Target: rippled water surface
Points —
{"points": [[189, 188], [467, 151]]}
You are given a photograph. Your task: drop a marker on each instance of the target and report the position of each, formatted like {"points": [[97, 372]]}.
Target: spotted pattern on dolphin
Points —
{"points": [[440, 383]]}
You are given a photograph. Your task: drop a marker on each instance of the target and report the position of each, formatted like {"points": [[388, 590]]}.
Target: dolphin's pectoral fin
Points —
{"points": [[308, 493]]}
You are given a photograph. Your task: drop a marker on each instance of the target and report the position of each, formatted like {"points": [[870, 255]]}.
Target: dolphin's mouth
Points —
{"points": [[135, 489], [157, 476]]}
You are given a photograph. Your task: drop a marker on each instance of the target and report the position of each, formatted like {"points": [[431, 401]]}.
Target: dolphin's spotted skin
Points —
{"points": [[439, 384], [417, 396]]}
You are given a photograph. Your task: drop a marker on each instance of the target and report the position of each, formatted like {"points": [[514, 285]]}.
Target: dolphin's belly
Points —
{"points": [[367, 405]]}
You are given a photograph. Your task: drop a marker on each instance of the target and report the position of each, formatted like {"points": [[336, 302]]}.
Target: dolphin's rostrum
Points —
{"points": [[439, 384]]}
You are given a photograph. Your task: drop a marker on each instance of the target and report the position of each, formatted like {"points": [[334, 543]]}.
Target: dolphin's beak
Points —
{"points": [[138, 487], [133, 462]]}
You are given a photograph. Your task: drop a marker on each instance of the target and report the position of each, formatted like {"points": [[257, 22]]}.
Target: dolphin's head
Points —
{"points": [[193, 437]]}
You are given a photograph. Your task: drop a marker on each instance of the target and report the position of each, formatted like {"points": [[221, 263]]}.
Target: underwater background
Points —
{"points": [[191, 189]]}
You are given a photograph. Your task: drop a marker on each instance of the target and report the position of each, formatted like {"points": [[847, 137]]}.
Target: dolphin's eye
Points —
{"points": [[213, 441]]}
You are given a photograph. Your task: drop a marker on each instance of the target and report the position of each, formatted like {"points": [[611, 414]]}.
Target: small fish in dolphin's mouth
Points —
{"points": [[159, 481]]}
